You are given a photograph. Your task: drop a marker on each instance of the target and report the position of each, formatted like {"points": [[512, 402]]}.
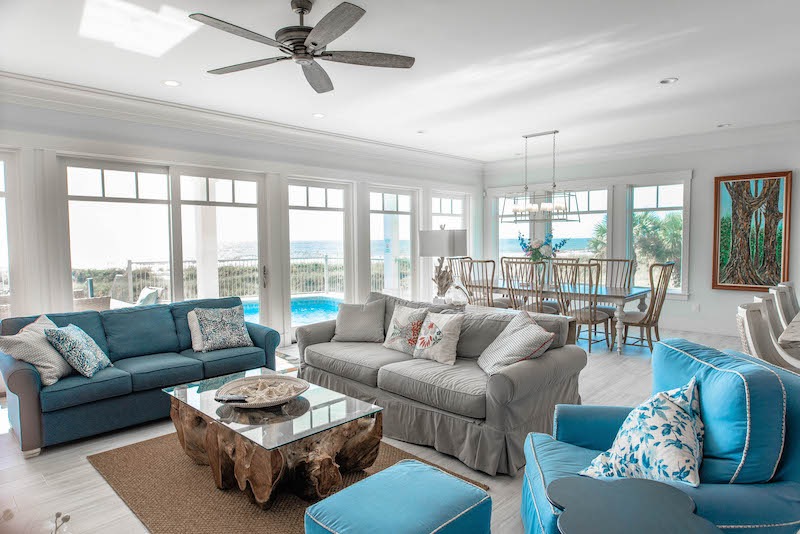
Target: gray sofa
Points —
{"points": [[459, 410]]}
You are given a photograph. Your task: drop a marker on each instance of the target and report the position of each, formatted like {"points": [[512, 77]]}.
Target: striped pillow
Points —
{"points": [[522, 339]]}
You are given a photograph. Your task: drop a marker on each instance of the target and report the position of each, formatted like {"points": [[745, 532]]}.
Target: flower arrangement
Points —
{"points": [[537, 250]]}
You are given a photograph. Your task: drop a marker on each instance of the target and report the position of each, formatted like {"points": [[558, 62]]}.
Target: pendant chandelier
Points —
{"points": [[543, 206]]}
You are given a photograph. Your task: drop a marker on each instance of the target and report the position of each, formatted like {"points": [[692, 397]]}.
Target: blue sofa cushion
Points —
{"points": [[547, 460], [409, 497], [181, 309], [77, 389], [161, 370], [139, 330], [88, 321], [742, 405], [227, 361]]}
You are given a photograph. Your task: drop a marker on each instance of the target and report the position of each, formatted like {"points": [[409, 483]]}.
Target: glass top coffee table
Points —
{"points": [[301, 441]]}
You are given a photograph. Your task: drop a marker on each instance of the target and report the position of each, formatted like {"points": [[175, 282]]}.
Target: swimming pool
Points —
{"points": [[305, 310]]}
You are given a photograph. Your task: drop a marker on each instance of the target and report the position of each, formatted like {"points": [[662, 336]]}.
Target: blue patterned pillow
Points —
{"points": [[661, 439], [78, 348], [223, 328]]}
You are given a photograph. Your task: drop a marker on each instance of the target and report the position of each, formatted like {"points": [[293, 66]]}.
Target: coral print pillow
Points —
{"points": [[223, 328], [78, 348], [404, 329], [438, 338], [661, 439]]}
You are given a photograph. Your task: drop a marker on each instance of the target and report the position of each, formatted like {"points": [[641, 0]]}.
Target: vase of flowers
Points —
{"points": [[538, 250]]}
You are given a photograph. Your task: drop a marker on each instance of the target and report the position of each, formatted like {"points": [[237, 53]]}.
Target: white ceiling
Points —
{"points": [[486, 71]]}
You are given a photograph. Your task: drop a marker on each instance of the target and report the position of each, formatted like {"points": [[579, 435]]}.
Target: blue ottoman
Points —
{"points": [[408, 498]]}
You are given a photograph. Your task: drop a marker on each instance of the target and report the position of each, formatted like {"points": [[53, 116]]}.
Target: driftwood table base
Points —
{"points": [[311, 467]]}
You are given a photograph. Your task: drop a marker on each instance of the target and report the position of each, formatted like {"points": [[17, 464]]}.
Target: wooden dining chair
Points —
{"points": [[525, 281], [479, 282], [758, 337], [457, 270], [549, 280], [616, 273], [647, 321], [576, 286]]}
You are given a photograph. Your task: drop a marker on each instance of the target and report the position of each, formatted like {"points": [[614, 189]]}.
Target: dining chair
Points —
{"points": [[782, 299], [479, 282], [770, 312], [525, 281], [660, 274], [792, 296], [549, 262], [576, 287], [758, 337], [616, 273], [457, 270]]}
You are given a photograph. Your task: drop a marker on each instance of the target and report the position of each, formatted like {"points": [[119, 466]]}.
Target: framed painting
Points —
{"points": [[752, 215]]}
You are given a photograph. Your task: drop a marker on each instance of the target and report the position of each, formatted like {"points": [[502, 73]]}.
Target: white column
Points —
{"points": [[206, 246]]}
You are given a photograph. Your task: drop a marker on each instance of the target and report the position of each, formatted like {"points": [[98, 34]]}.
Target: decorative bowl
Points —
{"points": [[264, 391]]}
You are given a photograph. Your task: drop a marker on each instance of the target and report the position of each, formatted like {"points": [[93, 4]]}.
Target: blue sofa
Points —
{"points": [[150, 347], [750, 474]]}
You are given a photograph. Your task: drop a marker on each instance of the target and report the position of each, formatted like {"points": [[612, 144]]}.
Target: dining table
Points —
{"points": [[615, 296], [790, 337]]}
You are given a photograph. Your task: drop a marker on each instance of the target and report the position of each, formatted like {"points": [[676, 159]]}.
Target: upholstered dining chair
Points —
{"points": [[783, 297], [457, 270], [479, 282], [660, 274], [792, 296], [525, 280], [576, 286], [758, 335]]}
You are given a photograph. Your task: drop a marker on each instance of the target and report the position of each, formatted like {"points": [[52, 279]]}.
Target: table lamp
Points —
{"points": [[442, 243]]}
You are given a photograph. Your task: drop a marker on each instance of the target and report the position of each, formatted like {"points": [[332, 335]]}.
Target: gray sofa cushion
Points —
{"points": [[360, 322], [459, 388], [479, 330], [354, 360], [391, 302]]}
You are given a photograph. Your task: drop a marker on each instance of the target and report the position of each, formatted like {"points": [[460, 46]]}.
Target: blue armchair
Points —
{"points": [[750, 475]]}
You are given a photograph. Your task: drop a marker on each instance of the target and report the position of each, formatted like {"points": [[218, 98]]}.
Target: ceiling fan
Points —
{"points": [[306, 44]]}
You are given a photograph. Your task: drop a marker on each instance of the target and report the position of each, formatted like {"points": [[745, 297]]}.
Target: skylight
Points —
{"points": [[135, 28]]}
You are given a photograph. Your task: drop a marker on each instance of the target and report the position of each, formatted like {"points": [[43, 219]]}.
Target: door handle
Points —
{"points": [[264, 276]]}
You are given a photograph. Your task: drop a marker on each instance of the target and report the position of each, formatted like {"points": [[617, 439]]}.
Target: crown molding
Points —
{"points": [[59, 96]]}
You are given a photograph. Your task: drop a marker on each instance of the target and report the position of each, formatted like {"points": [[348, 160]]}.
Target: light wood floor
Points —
{"points": [[61, 479]]}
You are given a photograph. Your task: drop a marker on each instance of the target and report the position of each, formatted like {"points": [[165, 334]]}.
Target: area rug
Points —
{"points": [[171, 494]]}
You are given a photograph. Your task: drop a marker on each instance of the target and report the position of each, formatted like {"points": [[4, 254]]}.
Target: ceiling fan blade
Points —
{"points": [[235, 30], [317, 77], [248, 65], [369, 59], [333, 25]]}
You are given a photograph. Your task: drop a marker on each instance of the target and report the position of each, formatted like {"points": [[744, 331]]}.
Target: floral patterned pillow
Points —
{"points": [[438, 338], [404, 329], [223, 328], [661, 439], [78, 348]]}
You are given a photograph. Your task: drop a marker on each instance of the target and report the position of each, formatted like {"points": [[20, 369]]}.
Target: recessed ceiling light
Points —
{"points": [[668, 81], [422, 131], [171, 83], [318, 115], [724, 125]]}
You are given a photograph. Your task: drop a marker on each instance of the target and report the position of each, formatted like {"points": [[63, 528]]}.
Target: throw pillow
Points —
{"points": [[222, 328], [78, 348], [404, 329], [30, 345], [521, 339], [148, 296], [438, 338], [194, 331], [661, 439], [360, 322]]}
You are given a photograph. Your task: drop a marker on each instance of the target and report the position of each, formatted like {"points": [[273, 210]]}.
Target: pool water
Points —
{"points": [[305, 310]]}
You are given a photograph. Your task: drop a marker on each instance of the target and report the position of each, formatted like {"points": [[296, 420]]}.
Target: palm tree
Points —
{"points": [[598, 243]]}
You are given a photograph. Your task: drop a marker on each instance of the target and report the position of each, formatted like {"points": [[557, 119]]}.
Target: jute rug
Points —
{"points": [[171, 494]]}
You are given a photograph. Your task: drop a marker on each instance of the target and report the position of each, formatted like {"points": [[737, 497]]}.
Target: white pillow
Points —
{"points": [[522, 339], [194, 330], [30, 345], [360, 322], [404, 329], [661, 439], [438, 338]]}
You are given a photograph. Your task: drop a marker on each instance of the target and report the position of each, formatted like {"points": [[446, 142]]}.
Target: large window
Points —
{"points": [[5, 284], [390, 229], [586, 238], [448, 211], [316, 251], [656, 230], [119, 235], [219, 221]]}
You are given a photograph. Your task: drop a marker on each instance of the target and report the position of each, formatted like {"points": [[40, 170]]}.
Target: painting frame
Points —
{"points": [[718, 281]]}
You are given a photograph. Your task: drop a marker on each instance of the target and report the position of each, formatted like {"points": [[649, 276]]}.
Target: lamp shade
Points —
{"points": [[438, 243]]}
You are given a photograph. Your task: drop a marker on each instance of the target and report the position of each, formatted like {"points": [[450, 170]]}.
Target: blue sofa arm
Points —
{"points": [[24, 406], [590, 427], [265, 338]]}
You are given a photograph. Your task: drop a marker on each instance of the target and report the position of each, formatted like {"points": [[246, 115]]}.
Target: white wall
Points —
{"points": [[726, 153]]}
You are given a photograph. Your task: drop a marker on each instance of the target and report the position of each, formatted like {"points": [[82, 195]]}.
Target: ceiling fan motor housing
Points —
{"points": [[302, 7]]}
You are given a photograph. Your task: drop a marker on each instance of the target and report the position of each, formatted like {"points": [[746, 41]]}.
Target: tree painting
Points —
{"points": [[752, 214]]}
